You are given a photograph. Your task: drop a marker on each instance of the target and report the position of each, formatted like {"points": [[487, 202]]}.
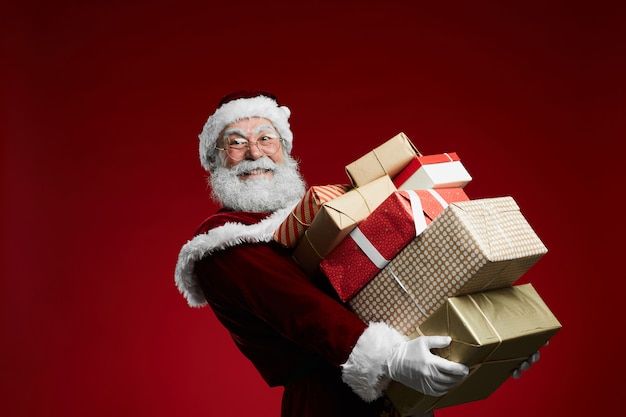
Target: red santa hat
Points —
{"points": [[241, 105]]}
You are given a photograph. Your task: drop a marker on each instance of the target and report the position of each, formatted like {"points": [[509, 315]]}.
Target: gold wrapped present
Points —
{"points": [[492, 333], [472, 246]]}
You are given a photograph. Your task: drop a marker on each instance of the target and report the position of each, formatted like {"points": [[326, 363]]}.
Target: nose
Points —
{"points": [[254, 152]]}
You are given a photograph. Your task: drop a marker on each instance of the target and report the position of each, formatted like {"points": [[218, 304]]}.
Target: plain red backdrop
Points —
{"points": [[101, 183]]}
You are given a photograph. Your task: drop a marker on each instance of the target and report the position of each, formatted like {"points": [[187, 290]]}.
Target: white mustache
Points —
{"points": [[246, 166]]}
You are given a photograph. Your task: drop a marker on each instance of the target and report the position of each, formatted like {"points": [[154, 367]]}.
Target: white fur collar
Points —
{"points": [[228, 235]]}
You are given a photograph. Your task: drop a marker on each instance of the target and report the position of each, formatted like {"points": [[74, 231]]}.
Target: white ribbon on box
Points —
{"points": [[419, 219]]}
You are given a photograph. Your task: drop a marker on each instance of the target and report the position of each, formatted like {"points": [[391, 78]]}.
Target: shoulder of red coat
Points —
{"points": [[224, 216]]}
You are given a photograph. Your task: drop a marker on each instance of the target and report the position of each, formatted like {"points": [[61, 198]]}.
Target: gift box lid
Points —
{"points": [[418, 161]]}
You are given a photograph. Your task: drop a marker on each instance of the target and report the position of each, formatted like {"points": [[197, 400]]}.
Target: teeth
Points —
{"points": [[257, 171]]}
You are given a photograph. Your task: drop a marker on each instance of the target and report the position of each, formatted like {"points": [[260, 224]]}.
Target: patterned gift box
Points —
{"points": [[472, 246], [387, 159], [433, 171], [336, 219], [368, 248], [492, 333], [300, 218]]}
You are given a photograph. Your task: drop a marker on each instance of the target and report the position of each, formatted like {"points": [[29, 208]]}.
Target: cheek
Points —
{"points": [[230, 163], [277, 157]]}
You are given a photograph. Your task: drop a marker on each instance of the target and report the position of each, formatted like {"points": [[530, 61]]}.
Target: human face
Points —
{"points": [[252, 130]]}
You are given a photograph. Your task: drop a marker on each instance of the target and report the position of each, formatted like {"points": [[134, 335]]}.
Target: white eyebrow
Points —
{"points": [[234, 131], [264, 127], [242, 134]]}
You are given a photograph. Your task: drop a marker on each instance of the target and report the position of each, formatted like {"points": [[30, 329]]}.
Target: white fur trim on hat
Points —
{"points": [[227, 113], [365, 370]]}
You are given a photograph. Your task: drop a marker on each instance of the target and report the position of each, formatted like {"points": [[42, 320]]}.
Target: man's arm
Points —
{"points": [[273, 288], [253, 277]]}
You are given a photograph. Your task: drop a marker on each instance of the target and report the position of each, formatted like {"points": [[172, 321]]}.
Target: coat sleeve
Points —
{"points": [[255, 277]]}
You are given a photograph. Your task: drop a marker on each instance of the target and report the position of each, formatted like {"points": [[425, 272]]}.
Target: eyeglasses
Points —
{"points": [[237, 147]]}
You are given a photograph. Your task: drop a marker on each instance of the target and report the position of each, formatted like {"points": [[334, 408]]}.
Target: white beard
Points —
{"points": [[281, 190]]}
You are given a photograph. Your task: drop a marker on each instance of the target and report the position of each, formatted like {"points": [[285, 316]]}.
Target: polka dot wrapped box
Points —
{"points": [[472, 246]]}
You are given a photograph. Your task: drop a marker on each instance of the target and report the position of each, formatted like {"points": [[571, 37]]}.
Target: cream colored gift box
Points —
{"points": [[387, 159], [472, 246]]}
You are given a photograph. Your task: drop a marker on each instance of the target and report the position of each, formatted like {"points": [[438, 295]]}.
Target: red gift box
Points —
{"points": [[433, 171], [385, 232]]}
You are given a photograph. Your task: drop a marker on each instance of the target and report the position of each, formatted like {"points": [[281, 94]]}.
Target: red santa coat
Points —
{"points": [[292, 327]]}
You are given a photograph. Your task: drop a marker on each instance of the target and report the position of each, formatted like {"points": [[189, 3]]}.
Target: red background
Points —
{"points": [[101, 182]]}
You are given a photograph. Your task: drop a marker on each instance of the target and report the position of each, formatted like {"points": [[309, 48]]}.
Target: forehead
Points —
{"points": [[251, 124]]}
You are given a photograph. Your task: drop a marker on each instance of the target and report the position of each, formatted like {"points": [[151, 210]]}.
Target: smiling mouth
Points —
{"points": [[255, 172]]}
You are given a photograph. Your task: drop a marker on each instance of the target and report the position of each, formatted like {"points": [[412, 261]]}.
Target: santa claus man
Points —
{"points": [[291, 326]]}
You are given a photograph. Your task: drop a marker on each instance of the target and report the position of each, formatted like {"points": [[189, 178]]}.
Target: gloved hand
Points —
{"points": [[517, 373], [414, 365]]}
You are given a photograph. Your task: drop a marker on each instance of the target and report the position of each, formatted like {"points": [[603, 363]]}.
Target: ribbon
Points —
{"points": [[379, 163], [418, 212], [474, 368], [419, 220], [418, 305], [370, 250], [300, 221], [311, 245], [358, 191], [493, 328], [438, 197], [488, 212]]}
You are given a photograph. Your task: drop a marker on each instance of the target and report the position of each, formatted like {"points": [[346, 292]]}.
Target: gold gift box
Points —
{"points": [[336, 219], [472, 246], [387, 159], [492, 332]]}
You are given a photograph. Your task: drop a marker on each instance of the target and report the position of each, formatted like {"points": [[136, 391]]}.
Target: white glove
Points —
{"points": [[517, 373], [412, 364]]}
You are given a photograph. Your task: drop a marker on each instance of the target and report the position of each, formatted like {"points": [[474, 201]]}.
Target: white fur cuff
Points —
{"points": [[365, 370]]}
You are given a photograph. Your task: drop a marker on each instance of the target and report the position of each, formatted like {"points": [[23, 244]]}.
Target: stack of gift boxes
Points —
{"points": [[405, 245]]}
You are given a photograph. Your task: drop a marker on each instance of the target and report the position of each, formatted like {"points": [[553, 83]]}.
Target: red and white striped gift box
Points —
{"points": [[290, 231]]}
